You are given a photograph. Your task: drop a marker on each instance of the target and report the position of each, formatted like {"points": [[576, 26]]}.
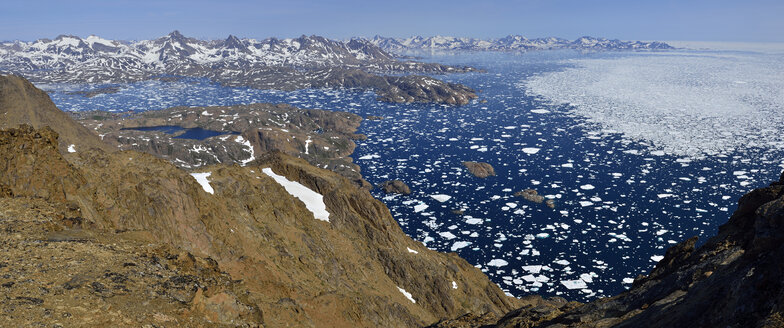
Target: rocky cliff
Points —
{"points": [[22, 103], [252, 252]]}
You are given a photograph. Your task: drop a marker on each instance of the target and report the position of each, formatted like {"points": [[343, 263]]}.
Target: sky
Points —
{"points": [[702, 20]]}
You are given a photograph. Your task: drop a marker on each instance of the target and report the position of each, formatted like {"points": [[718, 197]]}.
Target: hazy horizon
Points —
{"points": [[726, 21]]}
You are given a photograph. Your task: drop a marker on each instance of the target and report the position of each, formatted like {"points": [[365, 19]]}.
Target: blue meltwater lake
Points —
{"points": [[638, 151]]}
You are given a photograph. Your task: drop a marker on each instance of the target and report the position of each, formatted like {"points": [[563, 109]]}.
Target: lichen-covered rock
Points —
{"points": [[54, 275]]}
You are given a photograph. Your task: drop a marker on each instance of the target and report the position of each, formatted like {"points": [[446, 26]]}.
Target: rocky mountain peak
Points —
{"points": [[176, 35], [233, 42]]}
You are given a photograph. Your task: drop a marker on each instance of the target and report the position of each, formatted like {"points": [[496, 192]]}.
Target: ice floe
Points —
{"points": [[441, 197]]}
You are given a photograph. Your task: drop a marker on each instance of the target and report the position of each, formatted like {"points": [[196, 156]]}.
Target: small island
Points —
{"points": [[532, 195], [480, 169], [395, 187]]}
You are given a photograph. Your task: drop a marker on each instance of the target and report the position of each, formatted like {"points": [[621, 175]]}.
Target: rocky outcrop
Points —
{"points": [[532, 195], [94, 92], [55, 273], [395, 187], [323, 138], [348, 271], [479, 169], [397, 89], [22, 103], [733, 280]]}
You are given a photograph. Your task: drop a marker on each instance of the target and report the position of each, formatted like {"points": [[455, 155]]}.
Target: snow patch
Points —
{"points": [[201, 178], [407, 294], [314, 201]]}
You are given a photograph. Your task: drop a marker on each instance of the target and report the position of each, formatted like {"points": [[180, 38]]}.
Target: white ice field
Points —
{"points": [[686, 103]]}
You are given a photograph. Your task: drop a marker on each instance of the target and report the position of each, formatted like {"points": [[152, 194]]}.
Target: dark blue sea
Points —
{"points": [[619, 203]]}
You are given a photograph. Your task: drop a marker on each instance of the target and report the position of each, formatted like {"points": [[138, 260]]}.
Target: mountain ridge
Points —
{"points": [[281, 64], [510, 43]]}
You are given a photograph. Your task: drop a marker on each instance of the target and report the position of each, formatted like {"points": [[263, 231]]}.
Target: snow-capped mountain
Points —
{"points": [[176, 49], [283, 64], [93, 59], [510, 43]]}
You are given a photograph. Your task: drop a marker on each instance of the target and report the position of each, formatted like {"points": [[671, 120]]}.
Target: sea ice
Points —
{"points": [[574, 284], [497, 263], [460, 244], [685, 103]]}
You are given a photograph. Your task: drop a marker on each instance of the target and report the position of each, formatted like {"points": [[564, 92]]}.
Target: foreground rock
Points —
{"points": [[56, 273], [348, 271], [395, 187], [323, 138], [479, 169]]}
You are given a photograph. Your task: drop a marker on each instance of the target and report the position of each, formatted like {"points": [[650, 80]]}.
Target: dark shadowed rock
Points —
{"points": [[395, 187]]}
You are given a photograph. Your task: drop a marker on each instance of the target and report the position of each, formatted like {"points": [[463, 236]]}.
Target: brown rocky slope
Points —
{"points": [[22, 103], [288, 268]]}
